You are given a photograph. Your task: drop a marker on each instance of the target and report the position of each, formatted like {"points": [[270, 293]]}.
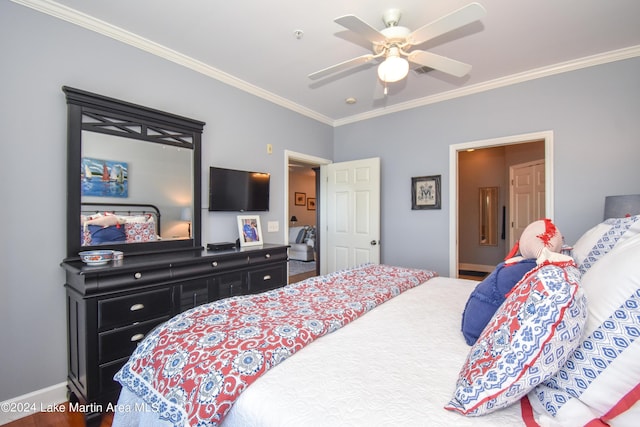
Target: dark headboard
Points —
{"points": [[621, 206]]}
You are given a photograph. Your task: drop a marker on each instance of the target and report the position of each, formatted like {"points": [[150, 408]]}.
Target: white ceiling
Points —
{"points": [[251, 44]]}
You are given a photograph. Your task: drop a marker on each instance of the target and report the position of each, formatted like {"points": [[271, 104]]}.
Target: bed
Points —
{"points": [[107, 223], [397, 356]]}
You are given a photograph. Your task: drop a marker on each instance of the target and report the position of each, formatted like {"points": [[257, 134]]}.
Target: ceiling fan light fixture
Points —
{"points": [[393, 68], [395, 43]]}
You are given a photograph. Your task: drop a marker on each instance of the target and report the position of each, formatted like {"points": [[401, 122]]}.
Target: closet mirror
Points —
{"points": [[488, 216], [133, 177]]}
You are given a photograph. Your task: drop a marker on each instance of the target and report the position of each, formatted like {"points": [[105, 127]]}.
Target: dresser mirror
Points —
{"points": [[134, 180], [488, 228]]}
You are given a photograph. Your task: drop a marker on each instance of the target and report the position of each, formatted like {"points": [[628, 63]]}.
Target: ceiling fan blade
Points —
{"points": [[342, 66], [456, 19], [440, 63], [358, 26]]}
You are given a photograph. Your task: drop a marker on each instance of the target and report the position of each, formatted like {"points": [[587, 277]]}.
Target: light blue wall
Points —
{"points": [[40, 54], [593, 114]]}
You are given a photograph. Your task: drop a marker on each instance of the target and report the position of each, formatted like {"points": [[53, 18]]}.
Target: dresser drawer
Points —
{"points": [[209, 266], [137, 277], [267, 256], [106, 373], [264, 279], [120, 343], [126, 310]]}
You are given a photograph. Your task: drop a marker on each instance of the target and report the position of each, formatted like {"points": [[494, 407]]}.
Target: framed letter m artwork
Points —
{"points": [[425, 192]]}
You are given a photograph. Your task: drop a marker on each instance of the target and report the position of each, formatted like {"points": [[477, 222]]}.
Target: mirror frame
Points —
{"points": [[91, 112]]}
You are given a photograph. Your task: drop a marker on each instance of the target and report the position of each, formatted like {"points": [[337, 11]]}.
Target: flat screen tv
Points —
{"points": [[233, 190]]}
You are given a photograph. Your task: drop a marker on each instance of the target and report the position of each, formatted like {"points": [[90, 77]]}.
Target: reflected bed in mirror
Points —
{"points": [[122, 154], [104, 223], [151, 174]]}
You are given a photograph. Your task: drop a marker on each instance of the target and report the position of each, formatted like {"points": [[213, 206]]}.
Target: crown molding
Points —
{"points": [[86, 21], [590, 61]]}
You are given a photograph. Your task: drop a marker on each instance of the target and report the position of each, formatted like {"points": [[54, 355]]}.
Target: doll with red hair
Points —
{"points": [[540, 242]]}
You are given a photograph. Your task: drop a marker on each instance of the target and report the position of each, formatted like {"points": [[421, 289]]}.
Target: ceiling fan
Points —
{"points": [[394, 41]]}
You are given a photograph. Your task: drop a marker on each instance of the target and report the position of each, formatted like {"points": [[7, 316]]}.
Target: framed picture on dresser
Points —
{"points": [[249, 230]]}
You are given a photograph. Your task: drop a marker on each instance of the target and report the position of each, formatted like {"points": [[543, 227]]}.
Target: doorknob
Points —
{"points": [[373, 243]]}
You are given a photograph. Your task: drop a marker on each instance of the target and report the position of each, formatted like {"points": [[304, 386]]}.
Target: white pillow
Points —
{"points": [[602, 238], [137, 219], [602, 377]]}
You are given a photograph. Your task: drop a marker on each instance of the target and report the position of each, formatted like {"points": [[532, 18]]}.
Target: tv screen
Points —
{"points": [[238, 191]]}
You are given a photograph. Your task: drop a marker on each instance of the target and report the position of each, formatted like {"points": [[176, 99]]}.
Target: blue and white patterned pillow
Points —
{"points": [[601, 380], [599, 240], [528, 340]]}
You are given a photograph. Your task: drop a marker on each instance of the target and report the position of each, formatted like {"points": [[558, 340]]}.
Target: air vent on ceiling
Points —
{"points": [[422, 70]]}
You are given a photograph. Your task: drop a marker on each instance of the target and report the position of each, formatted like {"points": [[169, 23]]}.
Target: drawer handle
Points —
{"points": [[267, 256], [138, 275], [137, 337], [136, 307], [267, 277], [214, 264]]}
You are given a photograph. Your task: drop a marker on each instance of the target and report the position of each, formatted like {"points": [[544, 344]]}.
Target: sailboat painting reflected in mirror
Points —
{"points": [[104, 178]]}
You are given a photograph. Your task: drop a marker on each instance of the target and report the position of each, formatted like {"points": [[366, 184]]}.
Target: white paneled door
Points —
{"points": [[527, 195], [352, 214]]}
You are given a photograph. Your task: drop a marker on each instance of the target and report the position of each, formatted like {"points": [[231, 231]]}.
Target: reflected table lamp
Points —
{"points": [[293, 220], [185, 215]]}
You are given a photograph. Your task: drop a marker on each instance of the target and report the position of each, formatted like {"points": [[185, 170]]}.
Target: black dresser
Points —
{"points": [[111, 308]]}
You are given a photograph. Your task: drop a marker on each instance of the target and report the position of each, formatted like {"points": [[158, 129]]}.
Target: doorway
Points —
{"points": [[455, 233], [302, 208]]}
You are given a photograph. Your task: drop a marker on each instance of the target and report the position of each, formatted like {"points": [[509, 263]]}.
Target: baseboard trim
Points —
{"points": [[477, 267], [48, 398]]}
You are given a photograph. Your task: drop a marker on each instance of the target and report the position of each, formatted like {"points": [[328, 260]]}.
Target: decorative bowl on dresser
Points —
{"points": [[96, 257]]}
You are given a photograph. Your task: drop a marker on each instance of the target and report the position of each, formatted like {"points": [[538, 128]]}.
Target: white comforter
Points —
{"points": [[395, 366]]}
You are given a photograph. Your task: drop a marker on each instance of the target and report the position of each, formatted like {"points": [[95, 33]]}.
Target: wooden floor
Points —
{"points": [[476, 278], [474, 275], [60, 418], [299, 277]]}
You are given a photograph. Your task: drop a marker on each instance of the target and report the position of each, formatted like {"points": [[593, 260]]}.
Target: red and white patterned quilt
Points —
{"points": [[192, 368]]}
